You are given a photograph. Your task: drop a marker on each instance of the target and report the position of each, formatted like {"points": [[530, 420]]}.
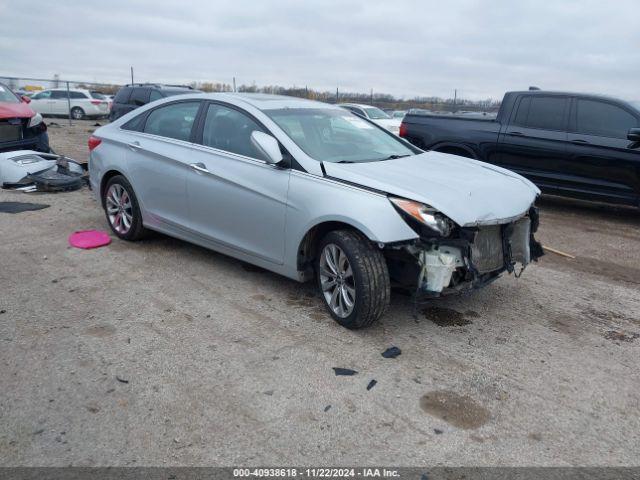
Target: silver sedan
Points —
{"points": [[312, 191]]}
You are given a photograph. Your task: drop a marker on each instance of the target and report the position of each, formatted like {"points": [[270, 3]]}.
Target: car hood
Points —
{"points": [[15, 110], [469, 192]]}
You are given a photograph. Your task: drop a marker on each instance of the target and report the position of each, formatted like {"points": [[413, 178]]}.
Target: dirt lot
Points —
{"points": [[163, 353]]}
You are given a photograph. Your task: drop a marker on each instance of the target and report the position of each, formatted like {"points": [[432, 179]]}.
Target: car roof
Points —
{"points": [[569, 94], [263, 101], [64, 90], [360, 105]]}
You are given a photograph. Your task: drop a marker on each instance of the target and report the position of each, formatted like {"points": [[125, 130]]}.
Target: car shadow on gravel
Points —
{"points": [[603, 211]]}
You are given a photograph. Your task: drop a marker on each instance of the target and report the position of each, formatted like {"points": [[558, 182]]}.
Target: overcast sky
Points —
{"points": [[405, 48]]}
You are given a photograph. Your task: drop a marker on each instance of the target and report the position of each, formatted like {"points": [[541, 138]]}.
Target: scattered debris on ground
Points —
{"points": [[344, 371], [121, 379], [327, 408], [372, 384], [618, 336], [29, 171], [19, 207], [558, 252], [391, 352]]}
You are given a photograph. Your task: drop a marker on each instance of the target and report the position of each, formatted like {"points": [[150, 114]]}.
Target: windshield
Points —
{"points": [[7, 96], [337, 135], [375, 113], [636, 105]]}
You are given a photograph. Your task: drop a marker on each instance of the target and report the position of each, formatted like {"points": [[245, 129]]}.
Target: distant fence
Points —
{"points": [[31, 87], [383, 101]]}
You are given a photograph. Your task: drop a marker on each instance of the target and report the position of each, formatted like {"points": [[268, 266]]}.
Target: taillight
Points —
{"points": [[96, 102], [403, 130], [94, 142]]}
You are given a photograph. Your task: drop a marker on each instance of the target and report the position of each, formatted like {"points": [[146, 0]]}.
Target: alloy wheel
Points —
{"points": [[119, 208], [337, 280]]}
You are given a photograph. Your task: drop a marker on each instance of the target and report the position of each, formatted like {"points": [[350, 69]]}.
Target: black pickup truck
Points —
{"points": [[568, 144]]}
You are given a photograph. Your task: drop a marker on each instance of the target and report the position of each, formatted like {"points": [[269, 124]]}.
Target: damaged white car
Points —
{"points": [[312, 191]]}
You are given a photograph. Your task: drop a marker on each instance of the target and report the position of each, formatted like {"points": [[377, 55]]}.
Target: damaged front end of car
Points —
{"points": [[447, 258]]}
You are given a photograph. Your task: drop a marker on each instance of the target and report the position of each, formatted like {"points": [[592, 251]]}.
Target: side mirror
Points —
{"points": [[634, 134], [267, 145], [25, 99]]}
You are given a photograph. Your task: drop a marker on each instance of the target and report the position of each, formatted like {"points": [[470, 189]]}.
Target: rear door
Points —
{"points": [[139, 97], [599, 150], [235, 197], [59, 102], [534, 141], [158, 156], [121, 103]]}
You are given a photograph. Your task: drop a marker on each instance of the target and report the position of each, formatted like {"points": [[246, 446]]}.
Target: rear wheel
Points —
{"points": [[122, 209], [353, 278], [77, 113]]}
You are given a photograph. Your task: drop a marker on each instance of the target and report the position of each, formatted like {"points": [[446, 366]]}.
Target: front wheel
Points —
{"points": [[353, 278]]}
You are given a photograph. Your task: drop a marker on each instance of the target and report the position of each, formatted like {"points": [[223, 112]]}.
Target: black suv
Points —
{"points": [[133, 96]]}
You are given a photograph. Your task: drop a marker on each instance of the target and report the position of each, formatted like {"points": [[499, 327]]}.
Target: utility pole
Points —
{"points": [[371, 97], [337, 95], [455, 96], [131, 75], [234, 84]]}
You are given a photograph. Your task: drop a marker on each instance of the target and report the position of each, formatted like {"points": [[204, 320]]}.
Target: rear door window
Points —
{"points": [[60, 94], [546, 113], [139, 97], [603, 119], [123, 95], [155, 95], [77, 95], [230, 130], [173, 121]]}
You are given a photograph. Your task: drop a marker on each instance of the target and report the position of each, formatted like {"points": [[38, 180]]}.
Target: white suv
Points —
{"points": [[84, 103]]}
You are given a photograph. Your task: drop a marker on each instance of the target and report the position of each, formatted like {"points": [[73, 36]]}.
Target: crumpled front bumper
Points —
{"points": [[478, 256]]}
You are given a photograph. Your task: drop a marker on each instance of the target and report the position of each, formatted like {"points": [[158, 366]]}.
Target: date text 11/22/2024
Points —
{"points": [[316, 472]]}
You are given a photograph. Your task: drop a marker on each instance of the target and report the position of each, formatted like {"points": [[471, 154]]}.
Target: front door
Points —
{"points": [[533, 144], [235, 197], [41, 102]]}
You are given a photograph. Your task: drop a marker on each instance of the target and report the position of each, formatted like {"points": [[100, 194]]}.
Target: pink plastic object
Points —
{"points": [[89, 239]]}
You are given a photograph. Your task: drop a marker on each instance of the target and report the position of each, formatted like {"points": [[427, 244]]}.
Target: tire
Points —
{"points": [[369, 279], [77, 113], [118, 191]]}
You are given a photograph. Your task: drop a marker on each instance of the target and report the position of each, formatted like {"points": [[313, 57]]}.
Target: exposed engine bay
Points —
{"points": [[468, 258]]}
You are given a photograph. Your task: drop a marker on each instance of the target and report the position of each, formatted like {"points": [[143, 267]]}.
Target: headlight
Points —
{"points": [[425, 215], [35, 120]]}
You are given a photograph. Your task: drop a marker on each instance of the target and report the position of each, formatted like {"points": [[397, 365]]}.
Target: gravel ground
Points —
{"points": [[164, 353]]}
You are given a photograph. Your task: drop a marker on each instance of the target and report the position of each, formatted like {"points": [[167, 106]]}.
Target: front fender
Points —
{"points": [[315, 200]]}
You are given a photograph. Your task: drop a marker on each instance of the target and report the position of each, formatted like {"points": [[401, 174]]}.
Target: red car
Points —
{"points": [[20, 127]]}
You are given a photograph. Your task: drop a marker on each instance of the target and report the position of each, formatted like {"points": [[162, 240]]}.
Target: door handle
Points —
{"points": [[579, 141], [517, 134], [135, 145], [199, 167]]}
